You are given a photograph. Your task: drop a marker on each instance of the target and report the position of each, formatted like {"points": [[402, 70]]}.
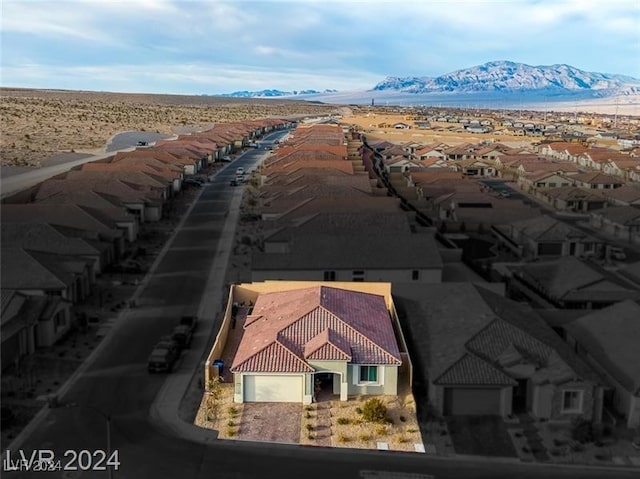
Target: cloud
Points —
{"points": [[343, 43]]}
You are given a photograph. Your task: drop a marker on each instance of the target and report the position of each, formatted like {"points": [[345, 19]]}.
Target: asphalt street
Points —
{"points": [[116, 384]]}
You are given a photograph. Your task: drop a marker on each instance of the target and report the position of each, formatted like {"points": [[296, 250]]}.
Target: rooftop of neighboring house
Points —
{"points": [[107, 205], [611, 336], [432, 175], [358, 241], [467, 335], [319, 185], [545, 228], [574, 193], [596, 178], [624, 215], [513, 161], [149, 165], [290, 165], [133, 177], [570, 279], [603, 154], [540, 167], [74, 216], [122, 189], [44, 237], [287, 329], [297, 206], [27, 270], [572, 148]]}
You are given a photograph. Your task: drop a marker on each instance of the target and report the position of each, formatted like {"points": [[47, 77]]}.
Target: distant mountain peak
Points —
{"points": [[504, 75], [272, 93]]}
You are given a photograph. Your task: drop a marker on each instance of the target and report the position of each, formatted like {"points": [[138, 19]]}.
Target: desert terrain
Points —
{"points": [[37, 124]]}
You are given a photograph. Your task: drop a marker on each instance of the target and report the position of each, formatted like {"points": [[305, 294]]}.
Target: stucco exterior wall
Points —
{"points": [[387, 379], [431, 275]]}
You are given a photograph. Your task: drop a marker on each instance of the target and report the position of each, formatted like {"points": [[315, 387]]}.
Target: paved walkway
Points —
{"points": [[271, 422]]}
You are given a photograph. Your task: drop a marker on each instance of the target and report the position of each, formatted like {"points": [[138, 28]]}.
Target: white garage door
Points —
{"points": [[273, 388]]}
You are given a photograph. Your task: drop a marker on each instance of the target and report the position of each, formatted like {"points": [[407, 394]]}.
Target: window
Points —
{"points": [[329, 275], [572, 401], [368, 374], [358, 276], [415, 275]]}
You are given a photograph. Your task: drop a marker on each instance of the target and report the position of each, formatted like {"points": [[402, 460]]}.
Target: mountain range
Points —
{"points": [[506, 76], [270, 93]]}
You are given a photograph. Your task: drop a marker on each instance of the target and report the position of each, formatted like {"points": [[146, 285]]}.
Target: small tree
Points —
{"points": [[582, 431], [374, 410]]}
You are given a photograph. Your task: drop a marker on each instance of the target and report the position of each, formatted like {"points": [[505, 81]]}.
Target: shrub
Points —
{"points": [[577, 447], [343, 421], [381, 430], [232, 411], [231, 424], [308, 408], [309, 427], [403, 419], [343, 438], [359, 410], [365, 437], [231, 432], [411, 430], [307, 415], [374, 410], [310, 436], [559, 442], [402, 439], [582, 431]]}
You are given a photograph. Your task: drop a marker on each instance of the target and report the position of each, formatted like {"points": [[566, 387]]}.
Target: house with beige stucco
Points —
{"points": [[301, 337]]}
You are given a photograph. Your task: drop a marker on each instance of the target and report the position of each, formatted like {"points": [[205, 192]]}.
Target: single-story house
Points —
{"points": [[608, 339], [482, 354], [295, 333]]}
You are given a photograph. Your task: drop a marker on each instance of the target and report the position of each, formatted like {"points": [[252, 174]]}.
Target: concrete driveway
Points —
{"points": [[264, 422]]}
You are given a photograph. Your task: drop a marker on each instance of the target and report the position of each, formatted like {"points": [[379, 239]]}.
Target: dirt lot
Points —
{"points": [[39, 123]]}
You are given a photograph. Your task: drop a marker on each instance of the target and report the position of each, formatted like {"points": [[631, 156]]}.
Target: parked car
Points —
{"points": [[161, 360], [233, 182], [190, 321], [182, 335], [170, 344], [239, 179], [226, 159], [617, 253], [240, 170]]}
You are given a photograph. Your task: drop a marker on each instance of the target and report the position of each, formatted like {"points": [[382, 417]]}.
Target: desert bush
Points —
{"points": [[359, 410], [403, 419], [411, 430], [342, 438], [343, 421], [402, 439], [381, 430], [231, 432], [232, 411], [364, 437], [309, 427], [307, 415], [374, 411], [231, 424]]}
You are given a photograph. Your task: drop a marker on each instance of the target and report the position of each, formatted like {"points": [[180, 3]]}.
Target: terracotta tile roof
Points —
{"points": [[22, 270], [43, 237], [546, 228], [570, 279], [597, 178], [73, 216], [575, 193], [622, 215], [473, 371], [629, 193], [123, 190], [289, 320], [327, 346]]}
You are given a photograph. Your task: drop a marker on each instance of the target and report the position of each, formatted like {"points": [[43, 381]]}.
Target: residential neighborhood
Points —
{"points": [[479, 296]]}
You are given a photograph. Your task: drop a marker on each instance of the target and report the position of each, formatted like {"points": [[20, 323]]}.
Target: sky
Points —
{"points": [[213, 47]]}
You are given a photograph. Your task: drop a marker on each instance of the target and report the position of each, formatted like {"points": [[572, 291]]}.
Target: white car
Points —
{"points": [[240, 171]]}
